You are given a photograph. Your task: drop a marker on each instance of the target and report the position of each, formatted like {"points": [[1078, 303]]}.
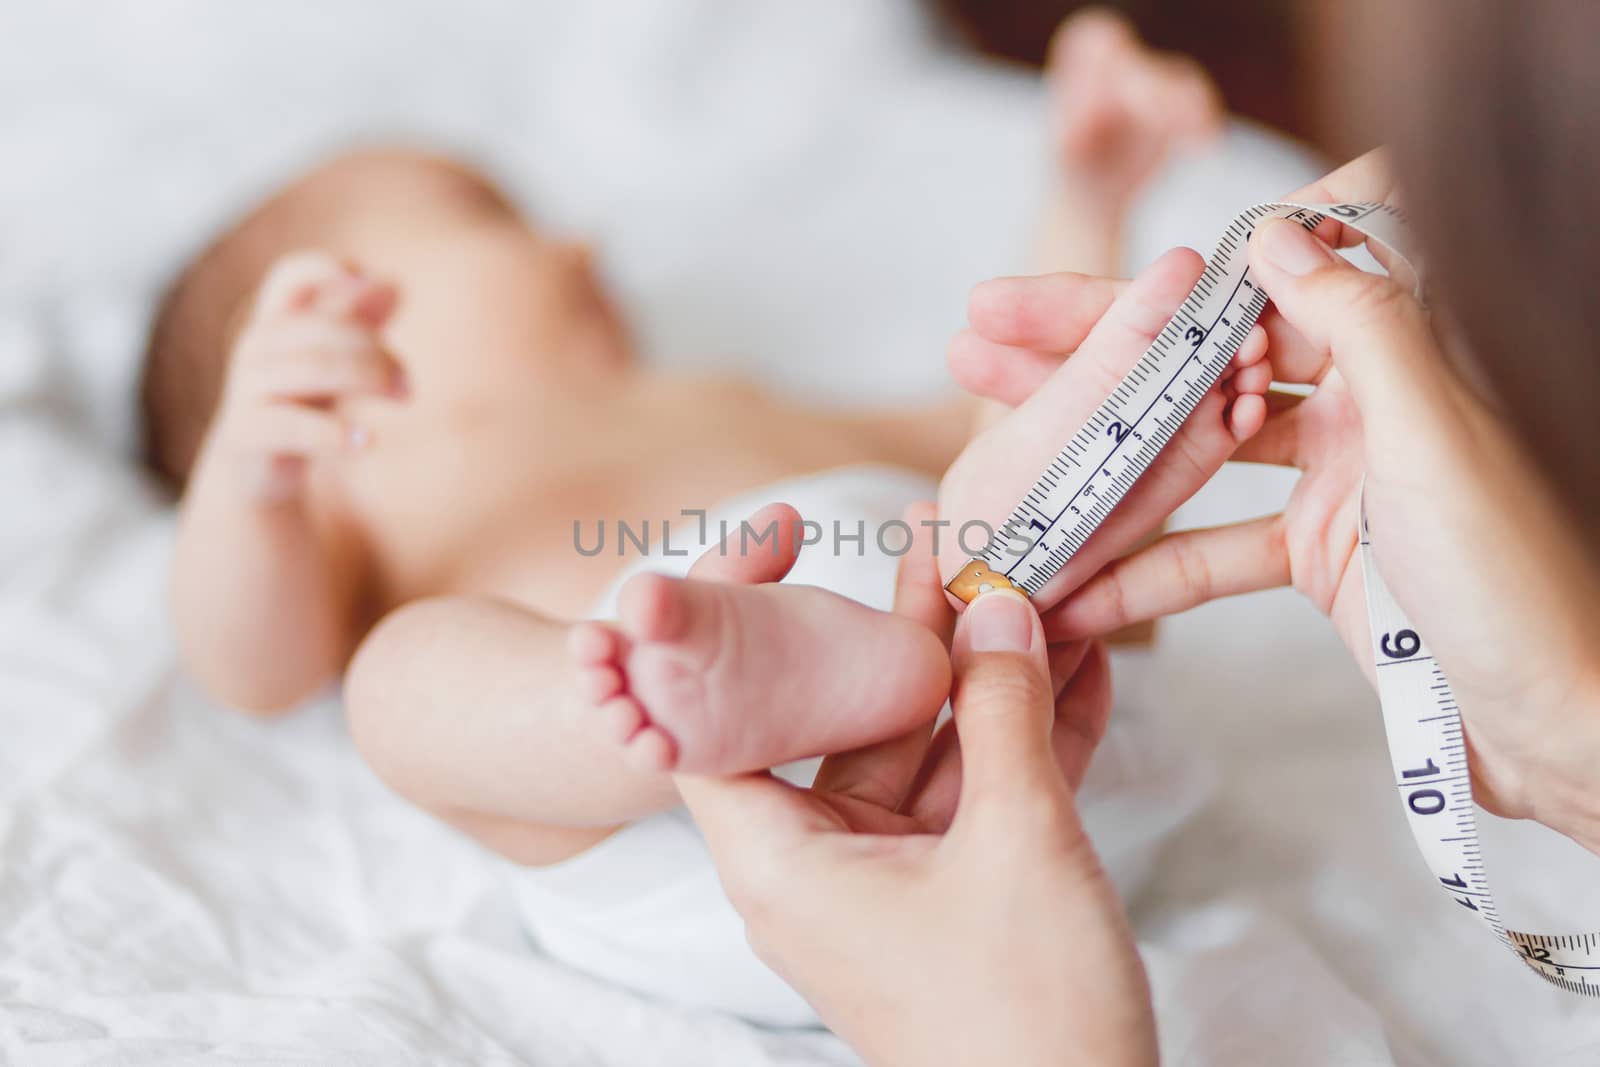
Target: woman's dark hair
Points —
{"points": [[1495, 124]]}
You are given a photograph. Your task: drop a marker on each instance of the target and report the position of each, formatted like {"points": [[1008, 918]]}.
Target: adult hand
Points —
{"points": [[1467, 536], [943, 911]]}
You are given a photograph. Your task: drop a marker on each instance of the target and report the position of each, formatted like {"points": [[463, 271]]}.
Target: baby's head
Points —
{"points": [[387, 207]]}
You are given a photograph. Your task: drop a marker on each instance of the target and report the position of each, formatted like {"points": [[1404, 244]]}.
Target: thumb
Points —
{"points": [[752, 824], [1376, 333], [1004, 704]]}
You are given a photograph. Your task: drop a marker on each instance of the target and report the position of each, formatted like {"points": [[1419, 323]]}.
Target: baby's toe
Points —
{"points": [[1178, 90], [1088, 36], [600, 682], [590, 643], [652, 608], [619, 719], [651, 751]]}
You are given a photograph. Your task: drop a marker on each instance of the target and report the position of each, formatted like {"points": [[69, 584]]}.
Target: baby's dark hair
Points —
{"points": [[186, 354], [330, 208]]}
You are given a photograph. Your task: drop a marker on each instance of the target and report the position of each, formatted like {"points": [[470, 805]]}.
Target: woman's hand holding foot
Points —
{"points": [[717, 677], [994, 934]]}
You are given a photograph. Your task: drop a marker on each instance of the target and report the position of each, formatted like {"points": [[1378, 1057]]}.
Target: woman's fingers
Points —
{"points": [[1065, 657], [1178, 572], [883, 774], [994, 371], [1279, 441], [756, 559], [1004, 710], [918, 594], [1365, 179], [1374, 331], [751, 824], [1047, 313], [1083, 707]]}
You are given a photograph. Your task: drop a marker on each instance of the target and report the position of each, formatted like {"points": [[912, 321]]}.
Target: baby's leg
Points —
{"points": [[1117, 111], [467, 707], [715, 678], [473, 709]]}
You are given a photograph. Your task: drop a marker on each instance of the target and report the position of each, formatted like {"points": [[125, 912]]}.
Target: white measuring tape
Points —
{"points": [[1106, 456]]}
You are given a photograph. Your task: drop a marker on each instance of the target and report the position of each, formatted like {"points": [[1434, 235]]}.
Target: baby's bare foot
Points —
{"points": [[711, 678], [1119, 107], [1118, 110]]}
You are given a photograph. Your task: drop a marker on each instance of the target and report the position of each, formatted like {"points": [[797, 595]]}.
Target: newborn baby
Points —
{"points": [[388, 400]]}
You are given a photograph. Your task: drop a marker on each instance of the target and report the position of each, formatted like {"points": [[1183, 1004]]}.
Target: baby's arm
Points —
{"points": [[264, 585]]}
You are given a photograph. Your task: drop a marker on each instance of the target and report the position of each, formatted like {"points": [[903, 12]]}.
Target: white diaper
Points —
{"points": [[644, 910]]}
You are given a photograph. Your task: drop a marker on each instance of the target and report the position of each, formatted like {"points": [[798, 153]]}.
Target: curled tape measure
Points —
{"points": [[1106, 456]]}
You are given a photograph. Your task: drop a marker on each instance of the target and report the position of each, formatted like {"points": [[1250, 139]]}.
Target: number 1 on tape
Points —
{"points": [[1119, 442]]}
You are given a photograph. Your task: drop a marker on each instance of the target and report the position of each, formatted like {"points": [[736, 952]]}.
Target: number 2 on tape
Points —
{"points": [[1106, 457]]}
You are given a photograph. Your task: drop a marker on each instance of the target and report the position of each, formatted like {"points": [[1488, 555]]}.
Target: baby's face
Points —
{"points": [[553, 303]]}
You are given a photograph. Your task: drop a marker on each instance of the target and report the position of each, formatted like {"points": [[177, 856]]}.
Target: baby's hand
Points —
{"points": [[311, 341]]}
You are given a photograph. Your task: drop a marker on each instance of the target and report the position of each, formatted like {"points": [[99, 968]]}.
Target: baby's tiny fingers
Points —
{"points": [[356, 298], [293, 430], [293, 282], [309, 358]]}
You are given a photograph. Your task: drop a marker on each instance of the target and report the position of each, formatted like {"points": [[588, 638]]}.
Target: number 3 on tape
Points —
{"points": [[1106, 457]]}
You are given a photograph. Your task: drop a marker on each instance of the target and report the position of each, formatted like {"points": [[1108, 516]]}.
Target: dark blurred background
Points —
{"points": [[1251, 47]]}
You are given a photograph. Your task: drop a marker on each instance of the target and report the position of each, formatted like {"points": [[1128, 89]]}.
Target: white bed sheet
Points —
{"points": [[803, 191]]}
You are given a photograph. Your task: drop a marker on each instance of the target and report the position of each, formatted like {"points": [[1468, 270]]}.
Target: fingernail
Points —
{"points": [[1292, 248], [1000, 621]]}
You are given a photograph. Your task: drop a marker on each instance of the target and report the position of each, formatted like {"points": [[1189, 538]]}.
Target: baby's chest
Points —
{"points": [[548, 515]]}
